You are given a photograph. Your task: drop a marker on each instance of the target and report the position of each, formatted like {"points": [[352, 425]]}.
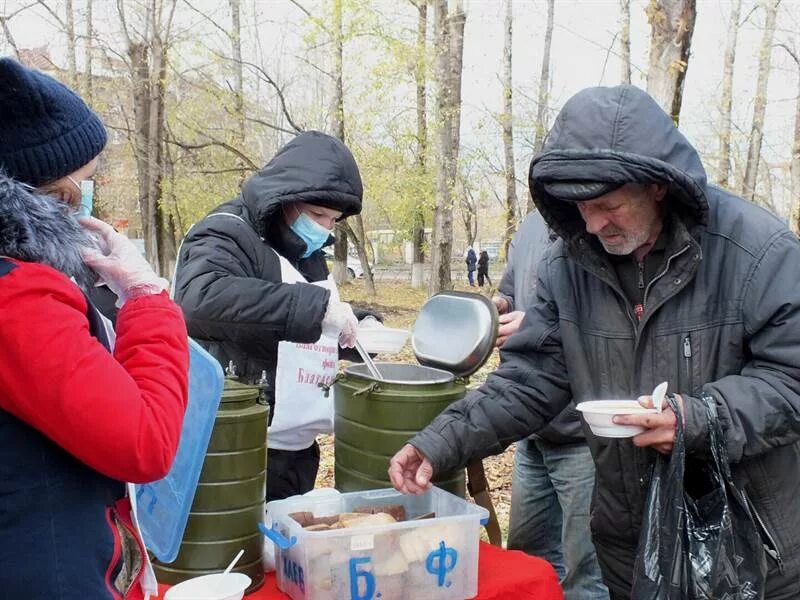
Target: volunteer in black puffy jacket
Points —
{"points": [[254, 287]]}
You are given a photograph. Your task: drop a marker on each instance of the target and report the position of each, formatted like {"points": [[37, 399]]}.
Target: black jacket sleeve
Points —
{"points": [[228, 283]]}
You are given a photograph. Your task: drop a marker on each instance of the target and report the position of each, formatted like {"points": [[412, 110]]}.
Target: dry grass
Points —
{"points": [[399, 304]]}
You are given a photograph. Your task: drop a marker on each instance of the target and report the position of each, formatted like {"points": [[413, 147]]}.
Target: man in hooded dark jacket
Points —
{"points": [[247, 280], [657, 275]]}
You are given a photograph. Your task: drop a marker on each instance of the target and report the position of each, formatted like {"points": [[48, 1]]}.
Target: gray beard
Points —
{"points": [[37, 228]]}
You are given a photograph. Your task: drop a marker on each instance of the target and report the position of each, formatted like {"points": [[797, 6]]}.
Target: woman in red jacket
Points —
{"points": [[80, 414], [76, 419]]}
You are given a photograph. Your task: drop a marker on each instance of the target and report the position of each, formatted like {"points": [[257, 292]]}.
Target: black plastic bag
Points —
{"points": [[698, 538]]}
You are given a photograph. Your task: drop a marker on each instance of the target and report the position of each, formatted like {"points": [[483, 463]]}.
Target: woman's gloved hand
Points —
{"points": [[340, 321], [119, 264]]}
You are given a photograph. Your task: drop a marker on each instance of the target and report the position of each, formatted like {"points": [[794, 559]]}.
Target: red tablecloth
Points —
{"points": [[502, 575]]}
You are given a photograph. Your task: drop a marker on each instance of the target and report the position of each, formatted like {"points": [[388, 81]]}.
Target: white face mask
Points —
{"points": [[312, 233], [86, 188]]}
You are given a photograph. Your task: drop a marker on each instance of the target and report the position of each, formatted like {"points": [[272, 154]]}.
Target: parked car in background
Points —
{"points": [[354, 269]]}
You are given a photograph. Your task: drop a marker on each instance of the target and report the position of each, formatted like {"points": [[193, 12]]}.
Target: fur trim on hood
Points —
{"points": [[37, 228]]}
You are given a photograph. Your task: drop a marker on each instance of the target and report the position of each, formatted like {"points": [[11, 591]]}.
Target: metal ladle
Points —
{"points": [[373, 370]]}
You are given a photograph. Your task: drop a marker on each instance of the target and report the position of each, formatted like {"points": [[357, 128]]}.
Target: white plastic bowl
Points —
{"points": [[217, 586], [382, 339], [599, 415]]}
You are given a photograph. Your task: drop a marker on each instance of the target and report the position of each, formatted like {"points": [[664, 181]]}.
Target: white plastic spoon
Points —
{"points": [[658, 395], [233, 562]]}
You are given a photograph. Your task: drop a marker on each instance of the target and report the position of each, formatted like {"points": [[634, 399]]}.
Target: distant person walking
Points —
{"points": [[483, 269], [472, 260]]}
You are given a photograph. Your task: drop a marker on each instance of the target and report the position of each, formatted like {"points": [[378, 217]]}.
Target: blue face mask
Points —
{"points": [[86, 188], [311, 232]]}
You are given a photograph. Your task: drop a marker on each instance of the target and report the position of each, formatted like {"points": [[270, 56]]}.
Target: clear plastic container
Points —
{"points": [[163, 505], [431, 558]]}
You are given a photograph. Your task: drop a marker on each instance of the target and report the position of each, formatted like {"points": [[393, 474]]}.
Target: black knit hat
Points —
{"points": [[46, 130]]}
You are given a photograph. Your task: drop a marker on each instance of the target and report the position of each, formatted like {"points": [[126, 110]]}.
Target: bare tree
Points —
{"points": [[147, 48], [238, 68], [354, 230], [672, 27], [760, 101], [88, 88], [544, 86], [4, 24], [449, 36], [337, 125], [726, 96], [625, 39], [794, 165], [67, 25], [508, 130], [421, 150]]}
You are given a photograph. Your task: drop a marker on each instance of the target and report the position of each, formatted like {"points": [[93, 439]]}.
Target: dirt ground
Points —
{"points": [[399, 303]]}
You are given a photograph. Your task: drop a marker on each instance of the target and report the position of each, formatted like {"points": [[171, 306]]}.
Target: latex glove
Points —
{"points": [[340, 321], [119, 264]]}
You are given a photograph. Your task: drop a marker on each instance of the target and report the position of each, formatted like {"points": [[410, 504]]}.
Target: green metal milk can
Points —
{"points": [[229, 502], [453, 336]]}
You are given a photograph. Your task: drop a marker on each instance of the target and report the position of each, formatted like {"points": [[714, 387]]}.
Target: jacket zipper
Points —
{"points": [[687, 355], [770, 547], [640, 265]]}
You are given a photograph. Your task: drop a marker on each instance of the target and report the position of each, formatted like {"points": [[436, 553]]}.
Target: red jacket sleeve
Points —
{"points": [[121, 414]]}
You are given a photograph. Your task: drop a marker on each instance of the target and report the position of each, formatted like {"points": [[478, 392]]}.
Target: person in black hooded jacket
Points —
{"points": [[657, 275], [254, 287]]}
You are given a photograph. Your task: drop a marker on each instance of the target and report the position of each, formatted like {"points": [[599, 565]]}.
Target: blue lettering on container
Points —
{"points": [[440, 562], [294, 573], [358, 574]]}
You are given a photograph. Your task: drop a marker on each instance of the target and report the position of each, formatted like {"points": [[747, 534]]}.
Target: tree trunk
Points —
{"points": [[672, 27], [726, 97], [418, 233], [148, 59], [238, 77], [8, 35], [359, 236], [508, 130], [760, 101], [138, 54], [795, 164], [88, 88], [544, 87], [441, 242], [337, 124], [625, 40], [72, 64]]}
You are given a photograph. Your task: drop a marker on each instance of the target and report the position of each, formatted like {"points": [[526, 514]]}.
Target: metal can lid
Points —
{"points": [[456, 332], [236, 391]]}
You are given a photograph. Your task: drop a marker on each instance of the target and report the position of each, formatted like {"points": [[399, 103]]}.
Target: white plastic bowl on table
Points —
{"points": [[382, 339], [217, 586], [599, 415]]}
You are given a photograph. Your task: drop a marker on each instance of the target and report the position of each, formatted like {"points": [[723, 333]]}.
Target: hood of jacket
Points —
{"points": [[37, 228], [620, 135], [314, 167]]}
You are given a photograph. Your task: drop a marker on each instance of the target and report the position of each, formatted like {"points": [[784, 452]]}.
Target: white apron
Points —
{"points": [[302, 410]]}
